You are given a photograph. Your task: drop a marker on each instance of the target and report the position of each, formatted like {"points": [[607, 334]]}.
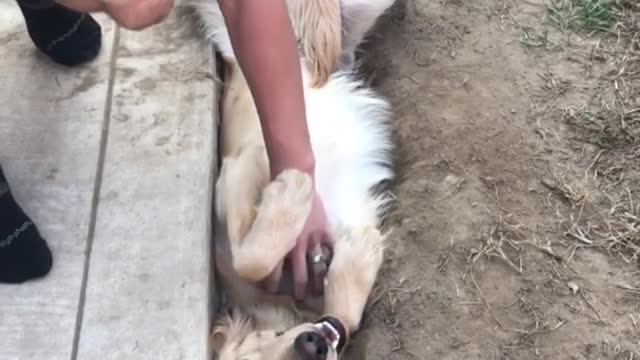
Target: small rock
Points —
{"points": [[574, 287]]}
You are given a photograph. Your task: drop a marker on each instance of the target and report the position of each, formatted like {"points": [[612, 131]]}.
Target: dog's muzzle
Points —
{"points": [[328, 334]]}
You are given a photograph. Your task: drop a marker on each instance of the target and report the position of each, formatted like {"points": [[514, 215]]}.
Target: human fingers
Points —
{"points": [[299, 268], [318, 264]]}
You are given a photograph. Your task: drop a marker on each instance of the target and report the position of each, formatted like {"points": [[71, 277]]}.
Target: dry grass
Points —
{"points": [[502, 235], [602, 207], [502, 242], [536, 39], [616, 230], [606, 124], [608, 218], [505, 241], [611, 119]]}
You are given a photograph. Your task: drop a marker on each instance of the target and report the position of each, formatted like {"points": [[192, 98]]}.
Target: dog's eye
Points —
{"points": [[279, 333]]}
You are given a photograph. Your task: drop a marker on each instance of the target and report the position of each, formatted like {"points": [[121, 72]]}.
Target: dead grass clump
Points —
{"points": [[505, 241], [555, 86], [608, 218], [611, 119], [623, 226], [609, 125], [501, 242], [533, 38], [617, 231], [573, 193]]}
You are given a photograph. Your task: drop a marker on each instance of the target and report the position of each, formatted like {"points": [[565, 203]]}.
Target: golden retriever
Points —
{"points": [[258, 220]]}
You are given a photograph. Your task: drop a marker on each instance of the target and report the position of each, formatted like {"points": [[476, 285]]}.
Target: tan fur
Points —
{"points": [[317, 23]]}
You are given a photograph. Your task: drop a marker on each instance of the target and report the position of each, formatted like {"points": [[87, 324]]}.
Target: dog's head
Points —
{"points": [[272, 334]]}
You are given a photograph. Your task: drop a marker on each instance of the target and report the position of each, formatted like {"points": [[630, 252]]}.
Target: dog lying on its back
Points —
{"points": [[259, 220]]}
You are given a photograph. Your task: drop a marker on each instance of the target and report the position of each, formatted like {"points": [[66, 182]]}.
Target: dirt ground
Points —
{"points": [[516, 223]]}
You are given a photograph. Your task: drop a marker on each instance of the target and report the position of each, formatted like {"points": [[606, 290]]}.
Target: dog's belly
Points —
{"points": [[351, 141]]}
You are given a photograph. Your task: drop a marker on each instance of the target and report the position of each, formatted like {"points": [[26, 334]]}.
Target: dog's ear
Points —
{"points": [[321, 37], [230, 328], [220, 334]]}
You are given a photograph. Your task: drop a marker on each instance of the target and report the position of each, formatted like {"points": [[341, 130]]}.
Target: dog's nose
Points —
{"points": [[311, 346]]}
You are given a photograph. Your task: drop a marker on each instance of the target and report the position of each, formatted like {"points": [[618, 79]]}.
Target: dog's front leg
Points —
{"points": [[281, 215], [357, 258]]}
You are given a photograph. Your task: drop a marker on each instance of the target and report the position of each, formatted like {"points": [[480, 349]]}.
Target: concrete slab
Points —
{"points": [[50, 127], [147, 288], [115, 163]]}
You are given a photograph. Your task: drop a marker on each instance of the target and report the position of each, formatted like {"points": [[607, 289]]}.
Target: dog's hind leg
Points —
{"points": [[357, 258]]}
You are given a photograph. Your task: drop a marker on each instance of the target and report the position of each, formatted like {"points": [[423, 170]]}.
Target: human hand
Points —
{"points": [[310, 257], [130, 14]]}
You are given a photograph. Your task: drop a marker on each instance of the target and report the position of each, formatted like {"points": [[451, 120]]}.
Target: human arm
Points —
{"points": [[274, 77]]}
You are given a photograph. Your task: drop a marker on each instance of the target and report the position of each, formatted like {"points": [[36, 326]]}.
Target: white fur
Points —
{"points": [[351, 141]]}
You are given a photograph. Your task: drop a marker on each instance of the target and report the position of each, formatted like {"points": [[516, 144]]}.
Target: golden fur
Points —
{"points": [[318, 24]]}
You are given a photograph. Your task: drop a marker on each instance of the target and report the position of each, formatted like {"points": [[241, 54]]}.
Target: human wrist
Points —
{"points": [[305, 164], [292, 157]]}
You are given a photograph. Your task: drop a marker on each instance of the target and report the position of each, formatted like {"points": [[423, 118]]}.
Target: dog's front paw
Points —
{"points": [[283, 211], [285, 205]]}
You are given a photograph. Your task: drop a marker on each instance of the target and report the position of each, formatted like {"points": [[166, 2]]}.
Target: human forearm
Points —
{"points": [[265, 47]]}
